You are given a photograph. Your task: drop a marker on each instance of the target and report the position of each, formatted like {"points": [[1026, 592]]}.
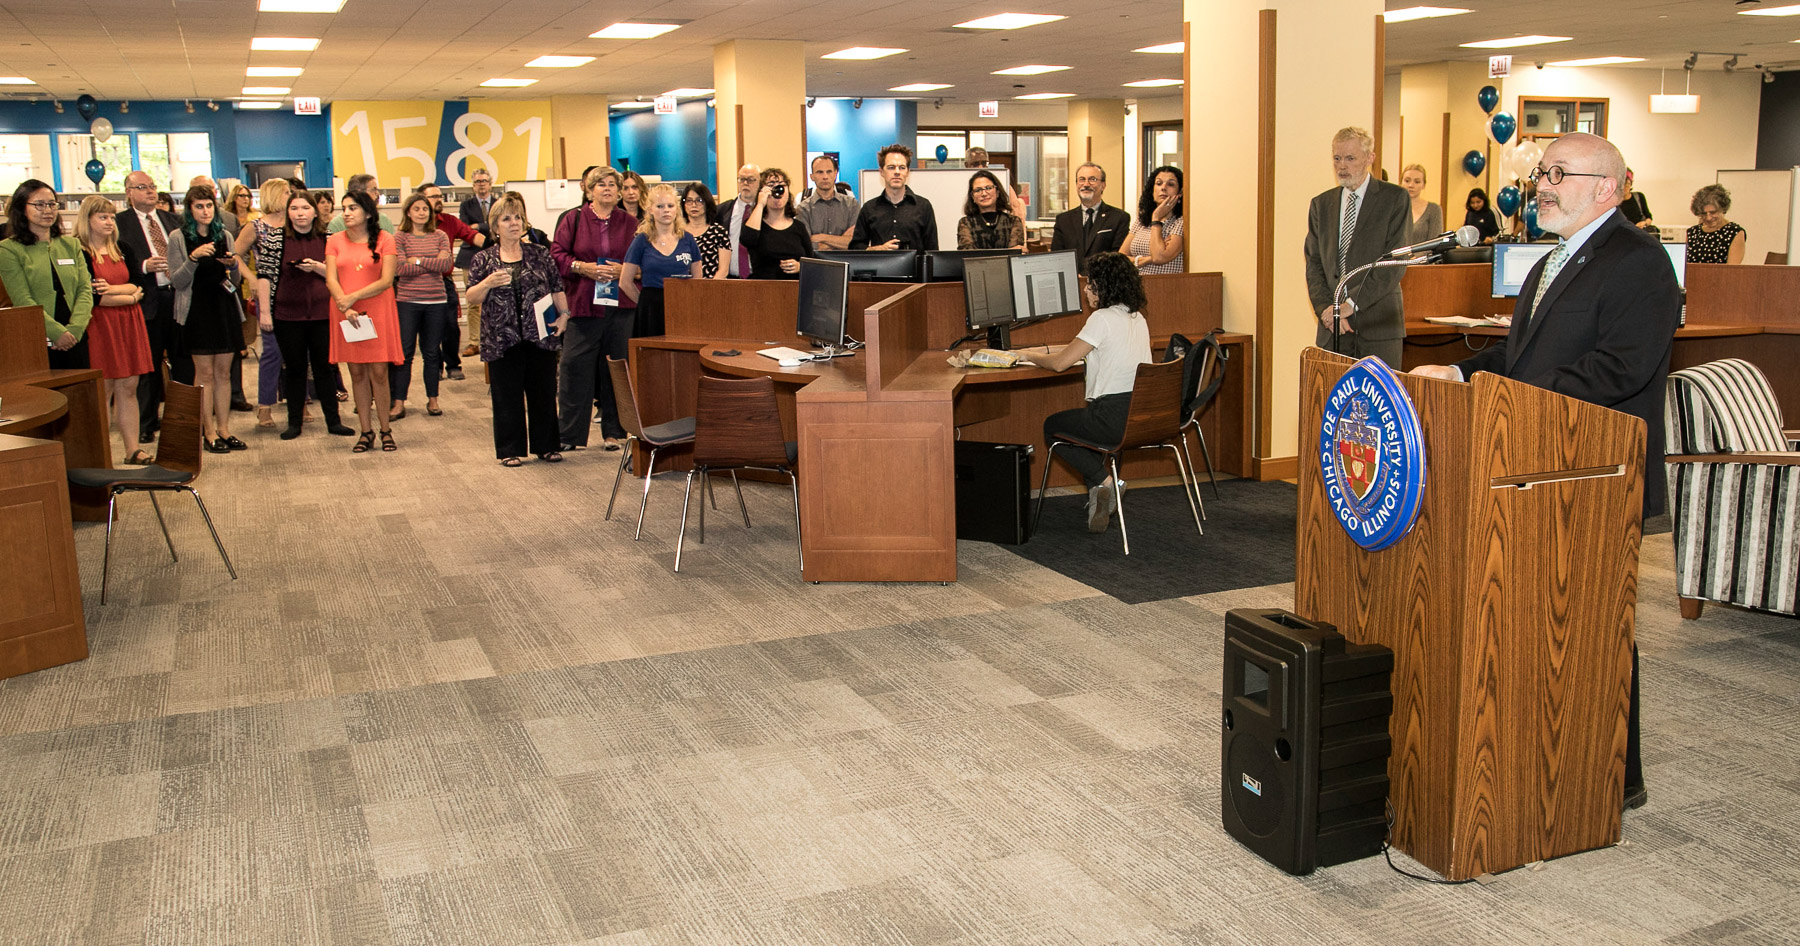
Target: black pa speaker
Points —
{"points": [[1305, 742]]}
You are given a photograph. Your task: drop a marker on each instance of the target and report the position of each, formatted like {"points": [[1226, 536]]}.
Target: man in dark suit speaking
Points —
{"points": [[1354, 223], [1595, 321], [1092, 226]]}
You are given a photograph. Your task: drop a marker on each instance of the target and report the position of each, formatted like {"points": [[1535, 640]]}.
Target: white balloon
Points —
{"points": [[1526, 158], [101, 129]]}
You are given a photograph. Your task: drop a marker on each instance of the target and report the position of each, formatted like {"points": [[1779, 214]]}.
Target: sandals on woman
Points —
{"points": [[512, 462], [387, 442], [139, 458], [551, 457], [364, 443]]}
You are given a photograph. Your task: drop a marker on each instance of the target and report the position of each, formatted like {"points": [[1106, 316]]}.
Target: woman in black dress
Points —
{"points": [[772, 233], [1714, 239], [207, 309]]}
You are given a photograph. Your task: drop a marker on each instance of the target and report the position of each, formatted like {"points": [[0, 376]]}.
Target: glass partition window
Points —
{"points": [[954, 145], [23, 157], [1162, 146], [77, 150], [1547, 118]]}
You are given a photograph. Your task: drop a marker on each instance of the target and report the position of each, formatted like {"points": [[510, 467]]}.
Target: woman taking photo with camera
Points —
{"points": [[776, 239]]}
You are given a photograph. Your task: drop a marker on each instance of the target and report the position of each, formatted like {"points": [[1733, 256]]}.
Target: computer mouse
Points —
{"points": [[789, 362]]}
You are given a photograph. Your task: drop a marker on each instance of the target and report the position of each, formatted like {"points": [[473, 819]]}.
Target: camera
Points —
{"points": [[779, 191]]}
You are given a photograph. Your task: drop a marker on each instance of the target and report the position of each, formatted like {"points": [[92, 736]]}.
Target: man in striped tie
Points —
{"points": [[1595, 320], [1357, 222]]}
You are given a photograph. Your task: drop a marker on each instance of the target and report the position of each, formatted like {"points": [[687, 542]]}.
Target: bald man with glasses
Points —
{"points": [[732, 214], [145, 229], [1092, 226]]}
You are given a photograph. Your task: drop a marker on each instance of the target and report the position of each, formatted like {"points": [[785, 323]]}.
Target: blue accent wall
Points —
{"points": [[677, 147], [857, 133], [282, 136], [28, 118]]}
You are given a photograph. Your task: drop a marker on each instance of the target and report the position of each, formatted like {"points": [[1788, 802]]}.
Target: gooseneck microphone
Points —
{"points": [[1461, 236]]}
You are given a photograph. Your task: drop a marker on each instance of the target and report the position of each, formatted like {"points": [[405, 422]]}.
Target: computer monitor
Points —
{"points": [[878, 265], [988, 293], [1045, 284], [824, 292], [1678, 258], [1512, 264], [947, 265]]}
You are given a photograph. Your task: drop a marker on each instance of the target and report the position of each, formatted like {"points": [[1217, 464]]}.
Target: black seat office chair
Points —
{"points": [[176, 468], [738, 427], [656, 436]]}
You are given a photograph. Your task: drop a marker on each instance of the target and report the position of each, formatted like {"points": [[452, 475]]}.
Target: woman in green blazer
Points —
{"points": [[41, 266]]}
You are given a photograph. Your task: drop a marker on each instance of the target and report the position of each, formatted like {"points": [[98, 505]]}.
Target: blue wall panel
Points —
{"points": [[677, 147], [857, 133], [282, 136]]}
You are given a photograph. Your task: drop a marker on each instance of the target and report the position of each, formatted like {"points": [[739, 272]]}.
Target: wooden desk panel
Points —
{"points": [[41, 620], [1753, 295], [83, 429]]}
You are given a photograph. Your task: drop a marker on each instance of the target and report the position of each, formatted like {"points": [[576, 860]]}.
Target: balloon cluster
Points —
{"points": [[1515, 161]]}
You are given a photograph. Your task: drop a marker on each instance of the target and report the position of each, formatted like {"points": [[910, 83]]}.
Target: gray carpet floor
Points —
{"points": [[448, 703]]}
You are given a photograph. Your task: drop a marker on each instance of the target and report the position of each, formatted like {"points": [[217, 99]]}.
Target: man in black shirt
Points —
{"points": [[896, 218]]}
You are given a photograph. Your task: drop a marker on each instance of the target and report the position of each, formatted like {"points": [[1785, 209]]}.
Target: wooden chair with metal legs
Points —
{"points": [[1154, 422], [656, 436], [1207, 380], [737, 426], [176, 468]]}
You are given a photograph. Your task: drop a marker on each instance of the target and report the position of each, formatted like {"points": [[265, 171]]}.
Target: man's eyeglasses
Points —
{"points": [[140, 187], [1555, 174]]}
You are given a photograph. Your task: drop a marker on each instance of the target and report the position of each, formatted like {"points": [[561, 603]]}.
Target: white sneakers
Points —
{"points": [[1100, 505]]}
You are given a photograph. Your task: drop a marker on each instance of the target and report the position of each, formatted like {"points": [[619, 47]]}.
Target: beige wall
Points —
{"points": [[1097, 134], [581, 132], [768, 79], [1026, 114], [1427, 93]]}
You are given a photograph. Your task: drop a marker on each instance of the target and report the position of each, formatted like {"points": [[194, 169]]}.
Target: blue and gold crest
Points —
{"points": [[1372, 455]]}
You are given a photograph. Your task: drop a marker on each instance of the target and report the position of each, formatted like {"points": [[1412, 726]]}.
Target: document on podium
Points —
{"points": [[357, 328]]}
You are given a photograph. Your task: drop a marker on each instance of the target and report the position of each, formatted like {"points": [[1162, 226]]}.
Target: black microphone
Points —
{"points": [[1461, 236]]}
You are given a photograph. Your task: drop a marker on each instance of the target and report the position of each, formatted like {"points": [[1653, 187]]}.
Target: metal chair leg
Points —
{"points": [[1205, 454], [165, 526], [624, 461], [1189, 486], [106, 558], [798, 544], [1043, 486], [705, 477], [209, 527], [1190, 463], [649, 471], [1119, 501], [681, 537]]}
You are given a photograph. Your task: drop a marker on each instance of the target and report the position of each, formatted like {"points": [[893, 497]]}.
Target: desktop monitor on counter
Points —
{"points": [[1513, 263], [947, 265], [1045, 284], [877, 265], [824, 297]]}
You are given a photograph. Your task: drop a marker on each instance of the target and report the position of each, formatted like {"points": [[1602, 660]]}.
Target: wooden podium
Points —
{"points": [[1509, 609]]}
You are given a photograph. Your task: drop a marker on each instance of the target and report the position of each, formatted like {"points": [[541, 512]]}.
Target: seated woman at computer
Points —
{"points": [[991, 220], [773, 233], [1114, 341]]}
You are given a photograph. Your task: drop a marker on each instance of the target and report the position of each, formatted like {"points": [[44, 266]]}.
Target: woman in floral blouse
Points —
{"points": [[511, 280]]}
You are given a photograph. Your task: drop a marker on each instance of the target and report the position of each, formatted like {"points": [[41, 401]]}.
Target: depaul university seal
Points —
{"points": [[1372, 453]]}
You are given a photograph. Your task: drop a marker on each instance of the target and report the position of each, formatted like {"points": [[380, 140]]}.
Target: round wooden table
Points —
{"points": [[25, 407]]}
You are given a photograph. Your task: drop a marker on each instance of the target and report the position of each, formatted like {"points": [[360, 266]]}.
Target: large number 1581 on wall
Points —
{"points": [[405, 144]]}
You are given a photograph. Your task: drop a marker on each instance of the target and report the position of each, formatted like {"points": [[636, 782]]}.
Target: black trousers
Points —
{"points": [[522, 387], [166, 343], [303, 344], [451, 339], [649, 318], [1101, 421], [587, 343], [1634, 763]]}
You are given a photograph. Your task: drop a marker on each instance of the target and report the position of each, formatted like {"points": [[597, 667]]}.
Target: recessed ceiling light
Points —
{"points": [[634, 105], [1152, 83], [1421, 13], [863, 52], [507, 83], [688, 93], [266, 90], [1047, 95], [921, 87], [15, 80], [272, 72], [1597, 61], [1028, 70], [300, 6], [1176, 48], [1009, 21], [303, 44], [558, 62], [634, 30], [1512, 41], [256, 106], [1773, 11]]}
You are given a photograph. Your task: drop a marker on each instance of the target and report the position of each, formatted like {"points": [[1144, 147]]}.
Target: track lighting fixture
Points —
{"points": [[124, 108], [190, 105], [812, 100], [1692, 60], [212, 105], [57, 104], [1731, 64], [856, 102]]}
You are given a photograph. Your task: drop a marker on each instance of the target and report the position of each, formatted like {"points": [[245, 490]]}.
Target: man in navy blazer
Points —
{"points": [[1600, 330], [159, 297], [1092, 226]]}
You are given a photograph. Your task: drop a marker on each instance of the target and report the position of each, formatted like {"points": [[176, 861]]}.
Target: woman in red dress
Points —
{"points": [[117, 343], [359, 270]]}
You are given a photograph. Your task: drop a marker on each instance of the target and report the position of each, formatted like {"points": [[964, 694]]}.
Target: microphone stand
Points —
{"points": [[1337, 296]]}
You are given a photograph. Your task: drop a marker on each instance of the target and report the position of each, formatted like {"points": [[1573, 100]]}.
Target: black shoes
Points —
{"points": [[242, 406], [1635, 797], [340, 429], [218, 446], [290, 433], [456, 374]]}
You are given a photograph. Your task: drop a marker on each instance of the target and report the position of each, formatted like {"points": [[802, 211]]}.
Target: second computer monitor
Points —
{"points": [[824, 294], [878, 265], [1045, 284], [1513, 263], [947, 265]]}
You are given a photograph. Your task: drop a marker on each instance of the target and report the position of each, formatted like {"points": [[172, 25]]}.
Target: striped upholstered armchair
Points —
{"points": [[1734, 490]]}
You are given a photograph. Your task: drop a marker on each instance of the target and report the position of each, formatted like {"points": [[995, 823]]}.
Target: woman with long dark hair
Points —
{"points": [[206, 308], [41, 266], [631, 193], [1113, 342], [1478, 214], [775, 237], [359, 269], [1156, 241], [295, 299], [425, 308], [700, 218], [990, 221]]}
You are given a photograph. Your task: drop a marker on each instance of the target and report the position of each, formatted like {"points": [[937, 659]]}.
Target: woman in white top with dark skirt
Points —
{"points": [[1114, 341]]}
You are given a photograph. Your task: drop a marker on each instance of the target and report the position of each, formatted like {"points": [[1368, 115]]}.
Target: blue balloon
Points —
{"points": [[1474, 162], [87, 107], [1502, 125], [1488, 97], [95, 170], [1532, 230], [1507, 199], [943, 153]]}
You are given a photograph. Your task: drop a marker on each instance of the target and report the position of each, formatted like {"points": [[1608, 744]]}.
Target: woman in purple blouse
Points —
{"points": [[512, 281], [589, 246]]}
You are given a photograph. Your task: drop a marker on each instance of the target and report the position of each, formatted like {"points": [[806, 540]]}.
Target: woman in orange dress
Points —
{"points": [[359, 270], [117, 342]]}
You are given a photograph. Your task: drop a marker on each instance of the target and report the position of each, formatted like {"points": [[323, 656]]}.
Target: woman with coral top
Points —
{"points": [[117, 342], [359, 270]]}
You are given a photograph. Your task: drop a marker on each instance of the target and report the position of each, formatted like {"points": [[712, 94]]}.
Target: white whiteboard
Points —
{"points": [[946, 188], [1762, 202]]}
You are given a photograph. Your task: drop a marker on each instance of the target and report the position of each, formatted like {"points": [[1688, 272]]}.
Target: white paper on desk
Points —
{"points": [[541, 309], [361, 329], [560, 195]]}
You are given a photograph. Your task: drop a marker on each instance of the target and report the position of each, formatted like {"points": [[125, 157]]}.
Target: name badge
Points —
{"points": [[65, 262]]}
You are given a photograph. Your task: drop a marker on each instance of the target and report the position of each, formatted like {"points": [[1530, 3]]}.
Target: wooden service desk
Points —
{"points": [[75, 416], [877, 430], [1748, 312], [41, 621]]}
